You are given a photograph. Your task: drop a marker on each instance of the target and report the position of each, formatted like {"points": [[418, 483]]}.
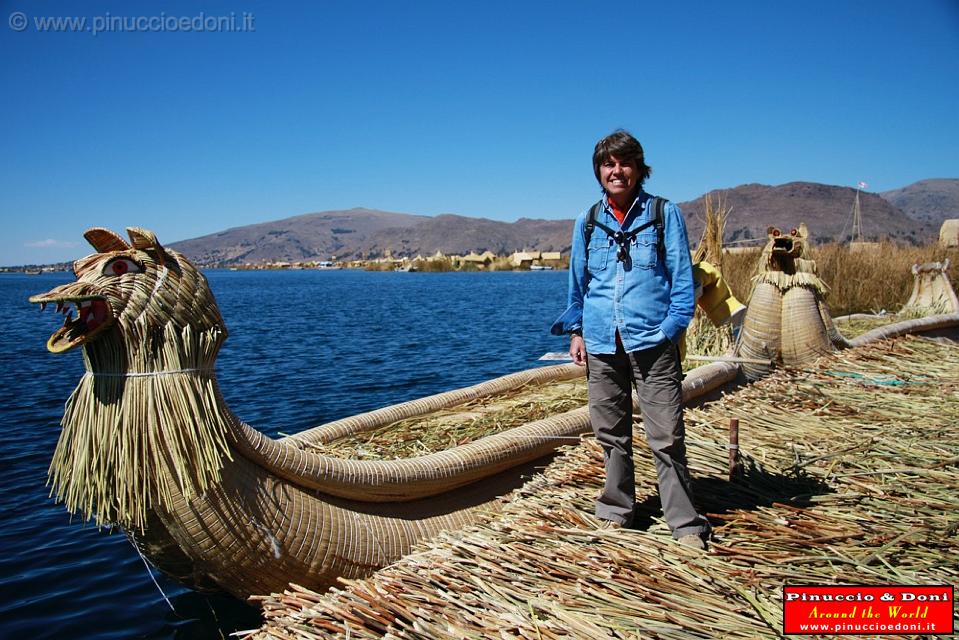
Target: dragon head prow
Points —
{"points": [[126, 283], [146, 422]]}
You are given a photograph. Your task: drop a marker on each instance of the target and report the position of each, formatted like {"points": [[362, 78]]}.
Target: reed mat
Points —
{"points": [[449, 428], [850, 478], [858, 326]]}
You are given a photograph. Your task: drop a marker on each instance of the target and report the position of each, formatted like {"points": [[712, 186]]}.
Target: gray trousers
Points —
{"points": [[657, 375]]}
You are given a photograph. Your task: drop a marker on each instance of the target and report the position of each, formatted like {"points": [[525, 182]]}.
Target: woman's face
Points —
{"points": [[619, 179]]}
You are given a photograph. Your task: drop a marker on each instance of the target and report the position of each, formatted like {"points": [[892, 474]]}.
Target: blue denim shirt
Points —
{"points": [[649, 299]]}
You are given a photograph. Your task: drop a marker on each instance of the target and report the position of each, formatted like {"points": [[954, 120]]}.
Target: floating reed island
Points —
{"points": [[850, 477], [148, 443]]}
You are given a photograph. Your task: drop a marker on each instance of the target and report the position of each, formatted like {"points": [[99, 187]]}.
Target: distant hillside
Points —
{"points": [[313, 236], [459, 234], [928, 201], [368, 233], [825, 209]]}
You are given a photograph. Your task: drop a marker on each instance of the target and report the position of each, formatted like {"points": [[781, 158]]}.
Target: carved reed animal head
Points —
{"points": [[150, 331], [782, 250], [126, 284]]}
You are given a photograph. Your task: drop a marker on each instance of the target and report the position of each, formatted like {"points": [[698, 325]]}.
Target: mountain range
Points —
{"points": [[927, 201], [912, 214]]}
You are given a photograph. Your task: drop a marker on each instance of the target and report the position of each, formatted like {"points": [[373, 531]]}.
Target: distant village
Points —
{"points": [[439, 261]]}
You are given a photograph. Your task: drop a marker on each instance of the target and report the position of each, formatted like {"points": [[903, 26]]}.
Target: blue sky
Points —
{"points": [[478, 108]]}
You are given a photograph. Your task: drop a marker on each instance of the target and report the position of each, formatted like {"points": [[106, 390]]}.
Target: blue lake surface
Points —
{"points": [[305, 347]]}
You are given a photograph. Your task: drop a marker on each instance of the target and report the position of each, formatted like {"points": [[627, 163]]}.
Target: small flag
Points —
{"points": [[863, 185]]}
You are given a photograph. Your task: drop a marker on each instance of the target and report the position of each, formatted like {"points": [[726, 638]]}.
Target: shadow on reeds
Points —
{"points": [[756, 487]]}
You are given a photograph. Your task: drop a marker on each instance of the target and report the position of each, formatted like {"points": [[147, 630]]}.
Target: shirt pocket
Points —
{"points": [[644, 250], [598, 253]]}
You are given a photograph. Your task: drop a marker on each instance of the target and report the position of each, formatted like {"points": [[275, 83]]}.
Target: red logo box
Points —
{"points": [[858, 610]]}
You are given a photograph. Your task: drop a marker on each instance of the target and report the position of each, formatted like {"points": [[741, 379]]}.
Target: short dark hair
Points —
{"points": [[624, 147]]}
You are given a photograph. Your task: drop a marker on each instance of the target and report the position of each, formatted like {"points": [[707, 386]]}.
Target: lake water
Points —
{"points": [[305, 347]]}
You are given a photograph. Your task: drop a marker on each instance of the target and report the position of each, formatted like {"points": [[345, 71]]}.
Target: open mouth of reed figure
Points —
{"points": [[93, 316], [783, 244], [783, 248]]}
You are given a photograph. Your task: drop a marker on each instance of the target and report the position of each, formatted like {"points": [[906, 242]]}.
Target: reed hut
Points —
{"points": [[524, 258], [932, 291], [949, 234], [552, 258], [863, 247]]}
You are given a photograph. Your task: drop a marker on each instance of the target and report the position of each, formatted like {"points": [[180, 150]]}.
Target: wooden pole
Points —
{"points": [[735, 463]]}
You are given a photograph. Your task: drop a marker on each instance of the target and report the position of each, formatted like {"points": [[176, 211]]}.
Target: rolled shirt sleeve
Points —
{"points": [[571, 319]]}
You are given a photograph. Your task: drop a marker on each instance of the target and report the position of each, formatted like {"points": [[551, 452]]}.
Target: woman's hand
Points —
{"points": [[577, 350]]}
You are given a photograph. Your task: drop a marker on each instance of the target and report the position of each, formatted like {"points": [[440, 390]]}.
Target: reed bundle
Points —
{"points": [[850, 477], [703, 338], [715, 215]]}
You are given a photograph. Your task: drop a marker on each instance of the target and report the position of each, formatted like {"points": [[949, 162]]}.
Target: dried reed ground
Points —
{"points": [[850, 478]]}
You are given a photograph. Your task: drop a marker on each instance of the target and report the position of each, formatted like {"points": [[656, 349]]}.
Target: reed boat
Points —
{"points": [[149, 445]]}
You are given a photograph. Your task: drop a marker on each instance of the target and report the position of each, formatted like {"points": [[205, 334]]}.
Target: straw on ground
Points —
{"points": [[850, 478]]}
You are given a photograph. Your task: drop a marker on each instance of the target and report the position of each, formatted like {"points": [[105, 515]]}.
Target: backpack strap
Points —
{"points": [[659, 217], [590, 224]]}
